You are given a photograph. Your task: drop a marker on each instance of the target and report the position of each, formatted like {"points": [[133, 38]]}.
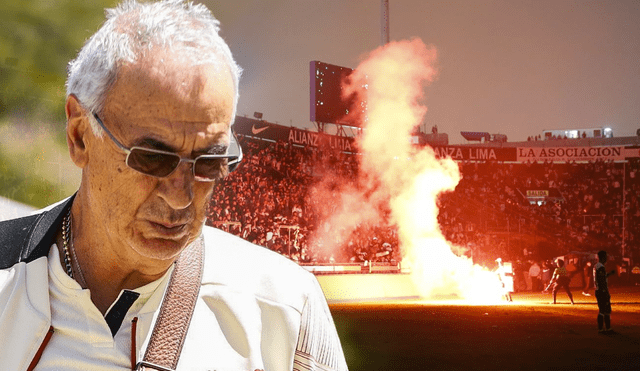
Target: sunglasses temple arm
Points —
{"points": [[239, 158], [104, 128]]}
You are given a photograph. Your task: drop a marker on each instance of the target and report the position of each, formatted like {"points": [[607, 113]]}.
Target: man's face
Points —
{"points": [[162, 104]]}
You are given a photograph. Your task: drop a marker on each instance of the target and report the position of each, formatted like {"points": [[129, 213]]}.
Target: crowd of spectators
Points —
{"points": [[270, 201], [490, 209]]}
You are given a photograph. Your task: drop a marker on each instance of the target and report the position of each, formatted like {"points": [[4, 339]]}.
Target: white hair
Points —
{"points": [[132, 29]]}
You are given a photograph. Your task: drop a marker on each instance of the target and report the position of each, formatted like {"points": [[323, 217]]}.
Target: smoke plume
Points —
{"points": [[399, 182]]}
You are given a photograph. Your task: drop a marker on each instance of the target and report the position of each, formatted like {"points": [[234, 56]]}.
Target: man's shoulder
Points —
{"points": [[242, 266], [28, 238], [14, 237], [233, 246]]}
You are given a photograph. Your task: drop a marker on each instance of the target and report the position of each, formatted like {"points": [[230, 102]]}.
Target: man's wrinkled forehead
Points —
{"points": [[172, 85], [179, 73]]}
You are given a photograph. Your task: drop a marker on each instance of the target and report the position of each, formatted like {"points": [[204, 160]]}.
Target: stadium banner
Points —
{"points": [[320, 140], [473, 153], [305, 138], [566, 154]]}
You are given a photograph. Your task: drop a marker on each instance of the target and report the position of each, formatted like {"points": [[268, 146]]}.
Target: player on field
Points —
{"points": [[602, 292]]}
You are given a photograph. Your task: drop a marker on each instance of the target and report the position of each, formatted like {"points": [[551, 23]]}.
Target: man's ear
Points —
{"points": [[78, 130]]}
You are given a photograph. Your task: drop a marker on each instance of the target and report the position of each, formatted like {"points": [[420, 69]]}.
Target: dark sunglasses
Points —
{"points": [[159, 164]]}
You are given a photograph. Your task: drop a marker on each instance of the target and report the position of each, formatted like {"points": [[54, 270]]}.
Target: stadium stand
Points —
{"points": [[520, 211]]}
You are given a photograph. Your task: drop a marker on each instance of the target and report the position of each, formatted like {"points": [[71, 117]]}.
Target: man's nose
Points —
{"points": [[177, 188]]}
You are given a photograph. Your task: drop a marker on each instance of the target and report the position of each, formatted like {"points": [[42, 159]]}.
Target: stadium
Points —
{"points": [[538, 206], [566, 198]]}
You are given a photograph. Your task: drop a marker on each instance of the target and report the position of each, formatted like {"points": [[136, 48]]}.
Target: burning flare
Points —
{"points": [[405, 181]]}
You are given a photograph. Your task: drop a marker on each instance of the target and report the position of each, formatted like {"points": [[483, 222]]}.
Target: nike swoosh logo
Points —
{"points": [[255, 130]]}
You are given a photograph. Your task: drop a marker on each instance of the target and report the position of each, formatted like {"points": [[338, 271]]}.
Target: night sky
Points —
{"points": [[505, 66]]}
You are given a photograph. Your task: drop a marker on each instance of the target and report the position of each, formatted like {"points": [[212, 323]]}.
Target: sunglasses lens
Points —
{"points": [[152, 163], [210, 169]]}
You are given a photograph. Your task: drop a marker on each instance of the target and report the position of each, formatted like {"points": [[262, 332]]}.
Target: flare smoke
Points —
{"points": [[401, 182]]}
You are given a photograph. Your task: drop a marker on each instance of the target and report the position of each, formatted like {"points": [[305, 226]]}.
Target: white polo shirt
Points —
{"points": [[77, 322], [256, 310]]}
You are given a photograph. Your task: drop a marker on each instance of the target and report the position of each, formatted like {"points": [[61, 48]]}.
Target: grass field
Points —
{"points": [[528, 334]]}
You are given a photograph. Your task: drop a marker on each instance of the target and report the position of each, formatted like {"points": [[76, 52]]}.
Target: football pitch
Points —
{"points": [[528, 334]]}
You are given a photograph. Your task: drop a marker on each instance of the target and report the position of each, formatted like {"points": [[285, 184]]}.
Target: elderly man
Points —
{"points": [[123, 275]]}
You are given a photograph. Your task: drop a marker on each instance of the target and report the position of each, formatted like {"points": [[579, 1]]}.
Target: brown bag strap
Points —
{"points": [[177, 308]]}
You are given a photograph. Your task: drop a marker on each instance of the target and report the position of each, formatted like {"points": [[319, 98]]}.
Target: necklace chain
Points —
{"points": [[69, 250], [66, 231]]}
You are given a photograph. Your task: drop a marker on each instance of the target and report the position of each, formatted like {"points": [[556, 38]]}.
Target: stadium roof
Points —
{"points": [[475, 135]]}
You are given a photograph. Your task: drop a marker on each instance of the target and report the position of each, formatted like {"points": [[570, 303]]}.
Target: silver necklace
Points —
{"points": [[69, 249], [66, 232]]}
